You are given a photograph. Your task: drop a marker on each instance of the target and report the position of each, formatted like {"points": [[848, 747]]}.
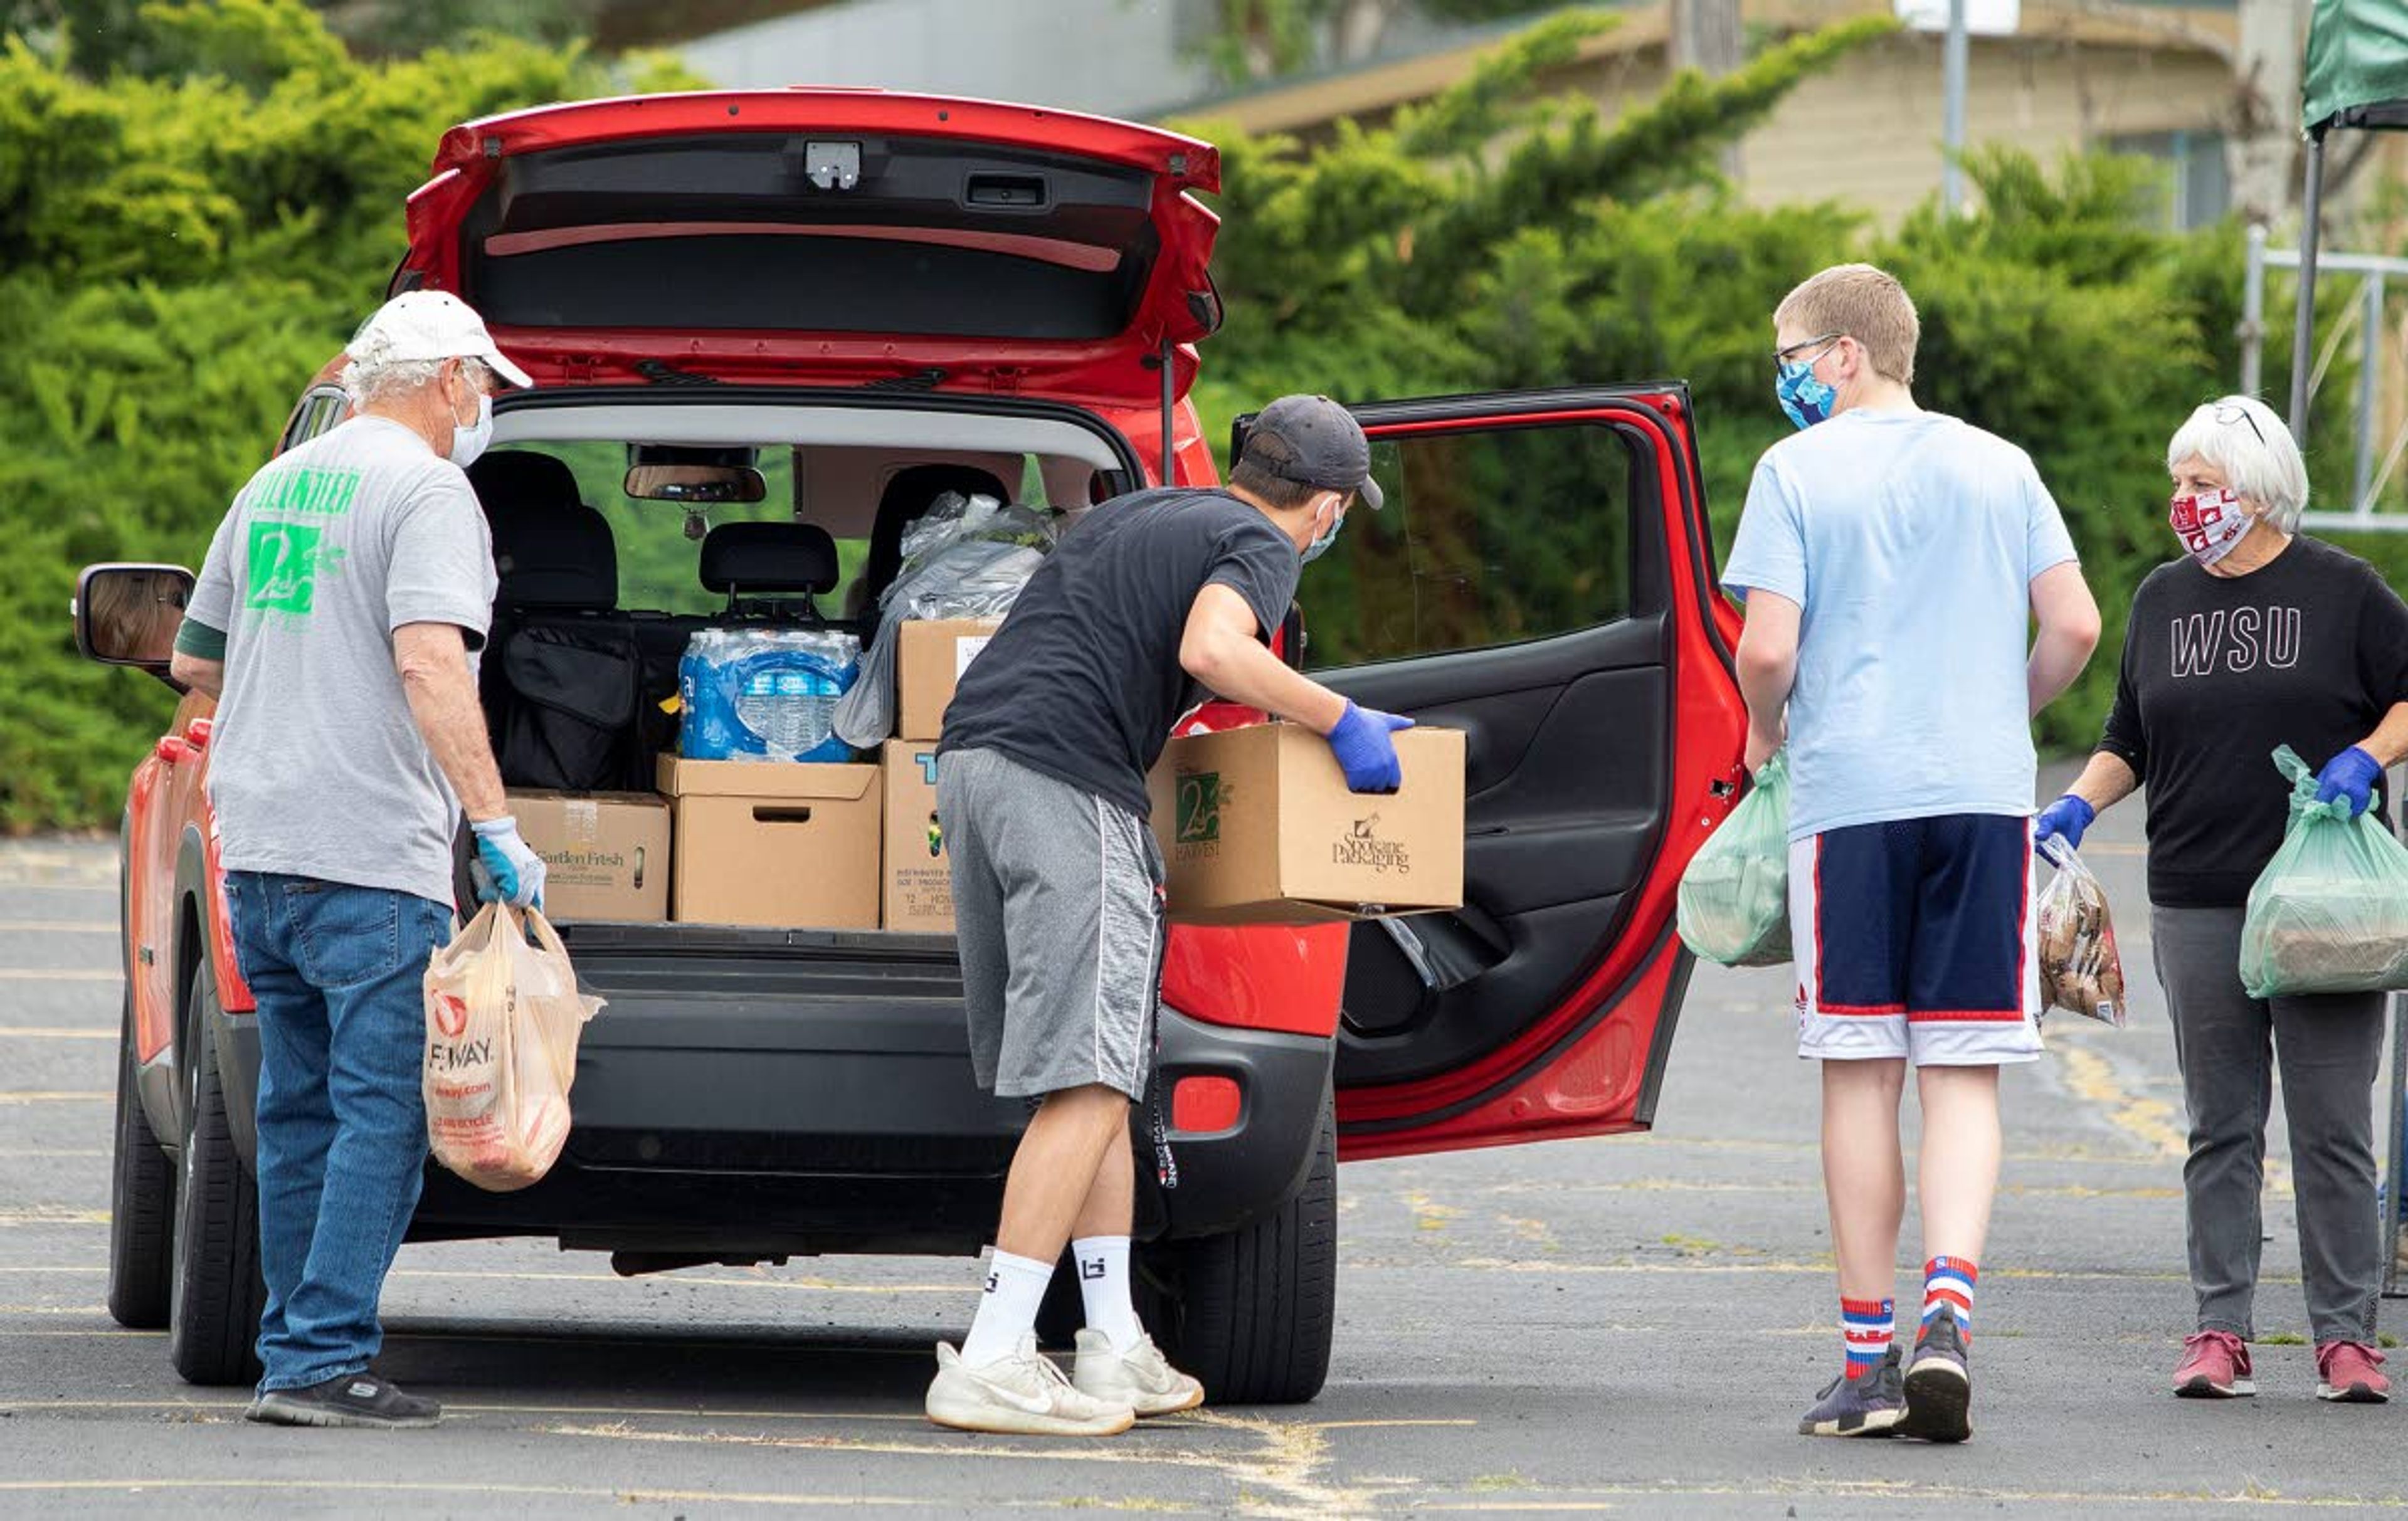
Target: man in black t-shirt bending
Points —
{"points": [[1058, 884]]}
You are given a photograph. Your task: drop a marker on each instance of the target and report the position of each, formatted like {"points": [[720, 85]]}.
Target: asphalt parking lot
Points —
{"points": [[1623, 1326]]}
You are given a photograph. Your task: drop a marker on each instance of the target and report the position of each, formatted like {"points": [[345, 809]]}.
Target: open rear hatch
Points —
{"points": [[826, 237]]}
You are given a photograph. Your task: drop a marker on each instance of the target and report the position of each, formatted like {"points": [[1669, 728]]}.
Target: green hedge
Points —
{"points": [[181, 248]]}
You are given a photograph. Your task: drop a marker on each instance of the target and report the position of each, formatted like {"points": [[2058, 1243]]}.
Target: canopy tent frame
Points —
{"points": [[2356, 80]]}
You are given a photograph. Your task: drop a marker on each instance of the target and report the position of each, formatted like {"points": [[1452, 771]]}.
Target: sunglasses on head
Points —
{"points": [[2228, 414]]}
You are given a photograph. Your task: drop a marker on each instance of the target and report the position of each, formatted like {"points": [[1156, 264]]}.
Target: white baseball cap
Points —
{"points": [[429, 324]]}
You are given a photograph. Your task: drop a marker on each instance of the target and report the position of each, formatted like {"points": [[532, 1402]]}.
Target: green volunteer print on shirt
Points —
{"points": [[307, 492], [283, 563]]}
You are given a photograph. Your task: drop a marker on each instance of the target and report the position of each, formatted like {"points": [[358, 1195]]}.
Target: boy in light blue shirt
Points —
{"points": [[1891, 561]]}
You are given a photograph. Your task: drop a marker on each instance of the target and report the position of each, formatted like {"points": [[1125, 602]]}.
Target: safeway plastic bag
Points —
{"points": [[968, 557], [2330, 913], [1734, 898], [503, 1018], [2079, 969]]}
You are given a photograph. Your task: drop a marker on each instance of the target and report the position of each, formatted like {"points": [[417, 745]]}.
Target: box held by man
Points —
{"points": [[1257, 827], [930, 656]]}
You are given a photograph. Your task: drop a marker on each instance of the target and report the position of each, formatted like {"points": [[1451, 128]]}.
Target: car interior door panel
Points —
{"points": [[1518, 587]]}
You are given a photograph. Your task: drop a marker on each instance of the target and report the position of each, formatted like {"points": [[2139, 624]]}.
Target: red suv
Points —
{"points": [[847, 285]]}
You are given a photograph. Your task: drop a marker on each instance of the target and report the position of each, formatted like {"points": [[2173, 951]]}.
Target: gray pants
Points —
{"points": [[1057, 908], [2228, 1044]]}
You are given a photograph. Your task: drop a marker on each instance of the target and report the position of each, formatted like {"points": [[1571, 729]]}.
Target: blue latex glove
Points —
{"points": [[2065, 819], [511, 871], [1364, 750], [2351, 774]]}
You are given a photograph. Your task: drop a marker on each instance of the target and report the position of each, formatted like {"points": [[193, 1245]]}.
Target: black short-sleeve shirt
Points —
{"points": [[2310, 650], [1082, 682]]}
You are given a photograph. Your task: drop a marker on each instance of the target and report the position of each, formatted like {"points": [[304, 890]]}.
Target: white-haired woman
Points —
{"points": [[2257, 637]]}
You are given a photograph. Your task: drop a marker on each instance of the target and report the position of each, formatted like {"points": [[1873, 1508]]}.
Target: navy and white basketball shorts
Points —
{"points": [[1917, 938]]}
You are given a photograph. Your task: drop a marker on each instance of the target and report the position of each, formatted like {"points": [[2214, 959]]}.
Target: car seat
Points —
{"points": [[770, 572], [561, 677]]}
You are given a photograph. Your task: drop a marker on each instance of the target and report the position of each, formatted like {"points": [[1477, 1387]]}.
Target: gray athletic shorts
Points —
{"points": [[1057, 902]]}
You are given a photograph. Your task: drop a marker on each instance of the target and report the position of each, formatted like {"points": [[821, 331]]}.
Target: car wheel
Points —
{"points": [[1250, 1312], [141, 1205], [213, 1326]]}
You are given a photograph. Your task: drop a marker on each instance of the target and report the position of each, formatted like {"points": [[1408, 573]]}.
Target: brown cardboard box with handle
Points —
{"points": [[1257, 827], [776, 844], [606, 853], [929, 658], [919, 873]]}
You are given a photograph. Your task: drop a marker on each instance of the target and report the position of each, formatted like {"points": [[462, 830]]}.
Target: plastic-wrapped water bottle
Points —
{"points": [[765, 694]]}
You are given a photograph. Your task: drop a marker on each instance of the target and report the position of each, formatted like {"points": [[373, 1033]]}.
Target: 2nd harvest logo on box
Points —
{"points": [[1198, 834]]}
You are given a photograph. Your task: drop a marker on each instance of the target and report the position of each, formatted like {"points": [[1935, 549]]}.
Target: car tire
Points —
{"points": [[213, 1328], [1252, 1312], [141, 1205]]}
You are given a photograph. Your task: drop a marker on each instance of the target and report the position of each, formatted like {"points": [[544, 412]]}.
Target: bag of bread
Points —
{"points": [[1734, 898], [2330, 913], [503, 1017], [2079, 969]]}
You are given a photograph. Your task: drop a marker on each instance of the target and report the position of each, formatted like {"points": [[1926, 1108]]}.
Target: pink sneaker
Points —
{"points": [[2214, 1366], [2345, 1375]]}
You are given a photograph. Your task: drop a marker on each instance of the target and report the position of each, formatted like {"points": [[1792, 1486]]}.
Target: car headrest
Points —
{"points": [[550, 549], [769, 559]]}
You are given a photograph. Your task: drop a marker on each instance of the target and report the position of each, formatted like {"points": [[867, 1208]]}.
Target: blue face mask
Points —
{"points": [[1321, 541], [1806, 399]]}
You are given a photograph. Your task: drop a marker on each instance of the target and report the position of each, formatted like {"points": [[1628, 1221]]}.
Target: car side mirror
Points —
{"points": [[128, 614]]}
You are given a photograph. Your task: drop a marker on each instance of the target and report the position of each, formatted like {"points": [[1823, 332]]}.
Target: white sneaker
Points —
{"points": [[1141, 1377], [1022, 1395]]}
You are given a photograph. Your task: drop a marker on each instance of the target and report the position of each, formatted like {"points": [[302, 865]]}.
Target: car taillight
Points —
{"points": [[1203, 1106]]}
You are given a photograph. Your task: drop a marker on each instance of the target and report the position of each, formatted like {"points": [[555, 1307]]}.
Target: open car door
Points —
{"points": [[1542, 579]]}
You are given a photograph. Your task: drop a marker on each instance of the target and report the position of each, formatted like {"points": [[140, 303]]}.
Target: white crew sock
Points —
{"points": [[1015, 1287], [1104, 1284]]}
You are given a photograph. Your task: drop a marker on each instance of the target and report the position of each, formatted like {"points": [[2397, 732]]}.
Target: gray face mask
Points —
{"points": [[1321, 541]]}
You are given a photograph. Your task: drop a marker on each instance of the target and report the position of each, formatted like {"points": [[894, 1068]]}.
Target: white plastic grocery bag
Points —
{"points": [[503, 1018], [2079, 969]]}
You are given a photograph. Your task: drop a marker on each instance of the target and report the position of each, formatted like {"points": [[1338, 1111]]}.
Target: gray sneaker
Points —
{"points": [[1939, 1386], [363, 1398], [1868, 1405]]}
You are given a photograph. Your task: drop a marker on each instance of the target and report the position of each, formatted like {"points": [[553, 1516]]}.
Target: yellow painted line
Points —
{"points": [[967, 1290], [1382, 1426], [45, 1032], [41, 1216], [63, 1097], [947, 1446], [625, 1495], [2151, 1121], [54, 1309], [61, 974]]}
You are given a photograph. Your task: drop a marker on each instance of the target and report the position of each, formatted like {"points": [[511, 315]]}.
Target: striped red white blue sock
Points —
{"points": [[1866, 1326], [1948, 1285]]}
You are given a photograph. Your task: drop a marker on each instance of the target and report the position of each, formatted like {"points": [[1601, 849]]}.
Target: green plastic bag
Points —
{"points": [[2330, 913], [1734, 900]]}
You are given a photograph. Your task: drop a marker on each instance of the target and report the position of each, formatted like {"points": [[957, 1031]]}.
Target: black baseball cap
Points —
{"points": [[1313, 441]]}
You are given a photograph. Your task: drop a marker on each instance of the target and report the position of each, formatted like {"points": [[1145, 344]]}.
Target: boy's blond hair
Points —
{"points": [[1869, 305]]}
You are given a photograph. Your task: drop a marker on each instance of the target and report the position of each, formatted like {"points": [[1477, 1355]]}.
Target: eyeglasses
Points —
{"points": [[2228, 414], [1781, 356]]}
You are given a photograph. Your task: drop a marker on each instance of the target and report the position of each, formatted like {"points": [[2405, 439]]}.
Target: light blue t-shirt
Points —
{"points": [[1911, 540]]}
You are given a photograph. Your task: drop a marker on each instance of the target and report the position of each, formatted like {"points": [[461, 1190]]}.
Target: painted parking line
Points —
{"points": [[46, 1032], [59, 927], [625, 1495], [964, 1289], [53, 1216], [58, 974], [59, 1096]]}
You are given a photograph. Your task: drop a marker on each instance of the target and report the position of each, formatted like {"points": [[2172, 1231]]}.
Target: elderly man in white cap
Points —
{"points": [[337, 620]]}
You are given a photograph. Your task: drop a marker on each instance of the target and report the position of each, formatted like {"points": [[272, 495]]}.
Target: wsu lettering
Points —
{"points": [[2235, 640]]}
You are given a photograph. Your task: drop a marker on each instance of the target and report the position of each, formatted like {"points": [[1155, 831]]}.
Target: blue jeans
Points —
{"points": [[342, 1126]]}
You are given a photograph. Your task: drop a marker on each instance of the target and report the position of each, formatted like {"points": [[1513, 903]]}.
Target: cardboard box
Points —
{"points": [[608, 852], [919, 873], [774, 842], [1257, 827], [929, 659]]}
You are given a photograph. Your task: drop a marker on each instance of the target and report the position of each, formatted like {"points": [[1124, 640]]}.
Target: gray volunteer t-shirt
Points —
{"points": [[316, 766]]}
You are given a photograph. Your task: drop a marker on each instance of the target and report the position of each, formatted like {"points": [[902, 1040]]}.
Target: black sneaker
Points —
{"points": [[363, 1399], [1939, 1386], [1868, 1405]]}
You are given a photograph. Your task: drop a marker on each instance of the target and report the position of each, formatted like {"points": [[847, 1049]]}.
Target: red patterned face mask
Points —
{"points": [[2210, 524]]}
